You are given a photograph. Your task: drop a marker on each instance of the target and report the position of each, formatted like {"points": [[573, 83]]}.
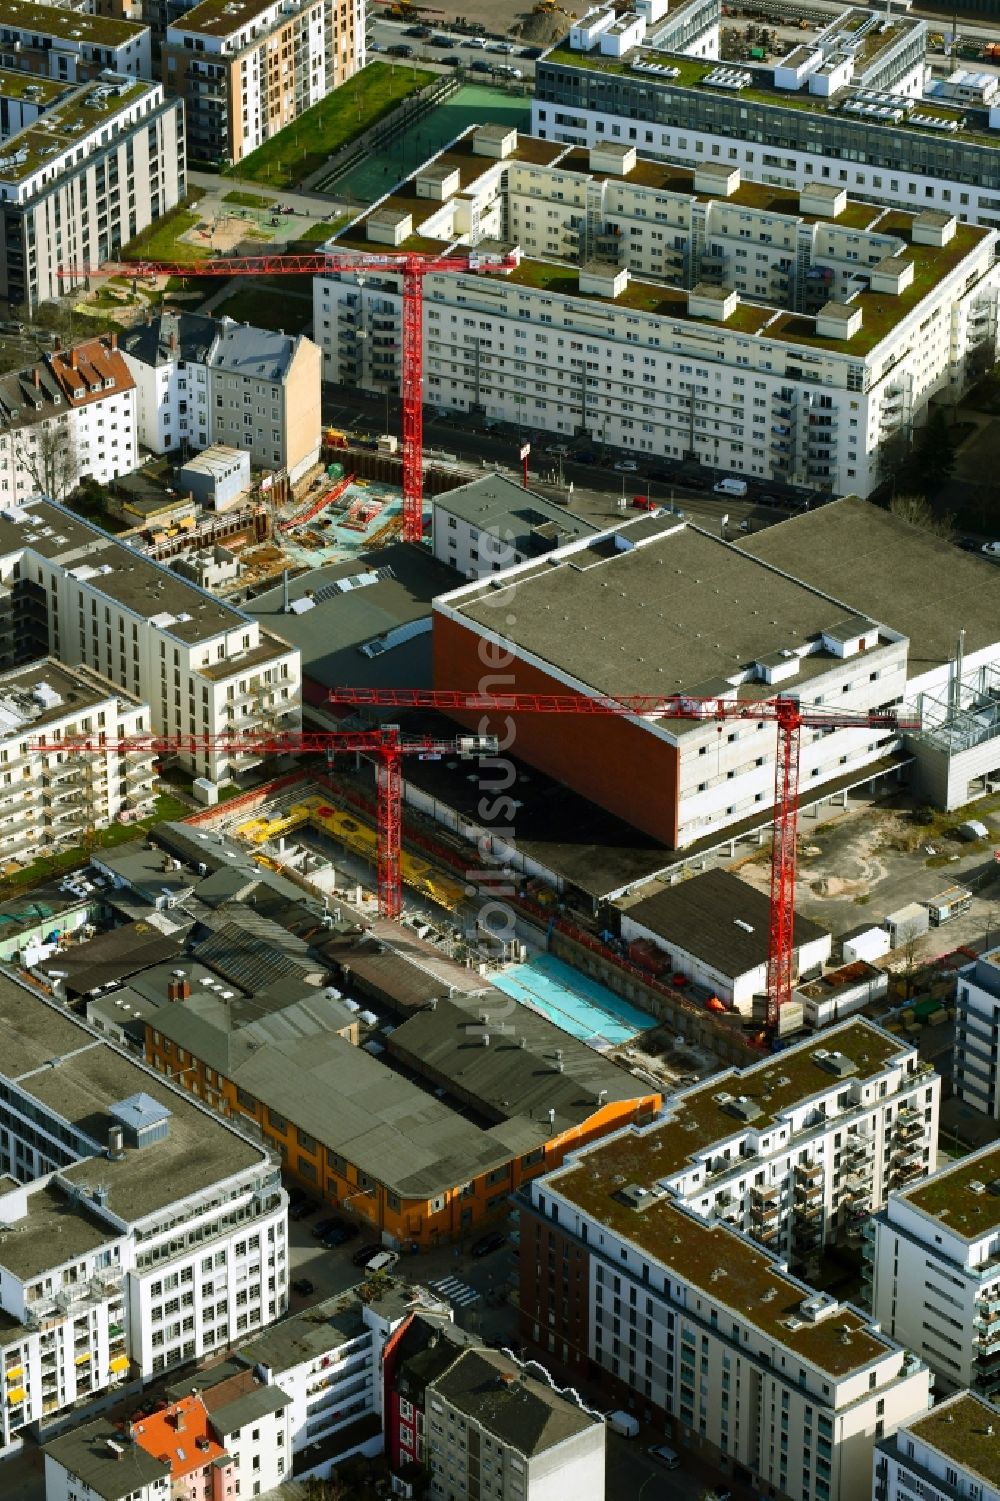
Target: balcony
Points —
{"points": [[906, 1172]]}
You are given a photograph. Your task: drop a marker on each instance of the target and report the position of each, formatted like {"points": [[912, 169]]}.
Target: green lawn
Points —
{"points": [[302, 147], [323, 229], [162, 242], [267, 309], [166, 809], [248, 200]]}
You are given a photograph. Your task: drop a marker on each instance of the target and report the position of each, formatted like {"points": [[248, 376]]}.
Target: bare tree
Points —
{"points": [[46, 453], [917, 511]]}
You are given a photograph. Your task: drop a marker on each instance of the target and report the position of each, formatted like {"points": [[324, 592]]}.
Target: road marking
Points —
{"points": [[459, 1293]]}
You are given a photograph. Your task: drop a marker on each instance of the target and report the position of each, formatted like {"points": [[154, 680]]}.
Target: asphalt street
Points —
{"points": [[598, 488]]}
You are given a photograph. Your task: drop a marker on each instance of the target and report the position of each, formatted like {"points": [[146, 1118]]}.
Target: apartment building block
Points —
{"points": [[851, 107], [139, 1230], [70, 415], [951, 1452], [933, 1271], [203, 380], [492, 522], [203, 667], [49, 797], [82, 176], [784, 336], [977, 1034], [248, 69], [70, 45], [478, 1422], [630, 1277]]}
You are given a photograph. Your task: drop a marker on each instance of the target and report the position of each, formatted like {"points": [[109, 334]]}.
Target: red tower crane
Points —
{"points": [[386, 744], [412, 268], [786, 714]]}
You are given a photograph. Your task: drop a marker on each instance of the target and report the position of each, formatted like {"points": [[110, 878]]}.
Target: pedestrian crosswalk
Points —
{"points": [[457, 1292]]}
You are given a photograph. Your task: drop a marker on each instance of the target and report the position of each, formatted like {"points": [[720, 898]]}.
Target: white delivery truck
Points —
{"points": [[623, 1423]]}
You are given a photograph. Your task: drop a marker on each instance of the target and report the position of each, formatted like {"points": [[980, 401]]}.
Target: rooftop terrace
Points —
{"points": [[85, 110], [68, 25], [222, 17], [693, 72], [964, 1197], [697, 1121], [965, 1429], [40, 91], [732, 1272]]}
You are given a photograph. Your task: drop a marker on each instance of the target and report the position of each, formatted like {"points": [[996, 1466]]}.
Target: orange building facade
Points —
{"points": [[455, 1210]]}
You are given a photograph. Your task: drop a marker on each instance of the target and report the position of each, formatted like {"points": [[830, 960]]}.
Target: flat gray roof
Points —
{"points": [[87, 1452], [529, 522], [62, 1064], [132, 580], [883, 567], [304, 1336], [677, 614], [527, 1414], [330, 633]]}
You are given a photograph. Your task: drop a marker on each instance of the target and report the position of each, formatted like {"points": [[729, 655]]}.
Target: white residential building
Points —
{"points": [[977, 1034], [933, 1264], [952, 1452], [675, 315], [140, 1230], [492, 522], [66, 43], [248, 70], [70, 415], [203, 667], [658, 1262], [48, 797], [102, 162], [202, 381], [847, 107]]}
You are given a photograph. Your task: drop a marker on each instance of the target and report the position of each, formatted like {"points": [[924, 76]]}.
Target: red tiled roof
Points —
{"points": [[180, 1437], [83, 370]]}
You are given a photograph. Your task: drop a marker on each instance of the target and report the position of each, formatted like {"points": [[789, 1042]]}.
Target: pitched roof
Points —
{"points": [[105, 1461], [718, 918], [91, 370], [260, 352], [526, 1414], [253, 960], [170, 336], [180, 1437]]}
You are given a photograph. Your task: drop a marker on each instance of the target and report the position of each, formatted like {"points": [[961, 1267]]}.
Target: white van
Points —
{"points": [[623, 1423], [729, 486]]}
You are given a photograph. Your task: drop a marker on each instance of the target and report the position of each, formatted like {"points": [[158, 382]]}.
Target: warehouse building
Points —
{"points": [[656, 605], [713, 929], [464, 1102]]}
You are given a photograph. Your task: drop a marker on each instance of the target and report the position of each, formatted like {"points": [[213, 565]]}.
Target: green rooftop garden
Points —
{"points": [[947, 1196], [964, 1428], [304, 146]]}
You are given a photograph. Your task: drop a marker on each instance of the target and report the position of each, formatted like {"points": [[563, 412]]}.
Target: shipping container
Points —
{"points": [[954, 901]]}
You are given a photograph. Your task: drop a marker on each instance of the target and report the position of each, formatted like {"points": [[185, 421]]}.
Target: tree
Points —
{"points": [[917, 510], [934, 452], [46, 453]]}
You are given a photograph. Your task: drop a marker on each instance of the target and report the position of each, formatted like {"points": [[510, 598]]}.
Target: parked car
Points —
{"points": [[497, 47], [586, 455], [364, 1253], [452, 60], [664, 1455], [322, 1227], [441, 41], [399, 49], [991, 549], [375, 47], [420, 31], [736, 488], [626, 466], [301, 1209], [339, 1235], [487, 1244], [479, 66], [769, 500], [968, 544], [531, 52], [475, 42], [303, 1287]]}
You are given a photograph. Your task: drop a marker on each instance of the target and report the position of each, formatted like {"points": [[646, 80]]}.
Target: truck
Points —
{"points": [[623, 1423]]}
